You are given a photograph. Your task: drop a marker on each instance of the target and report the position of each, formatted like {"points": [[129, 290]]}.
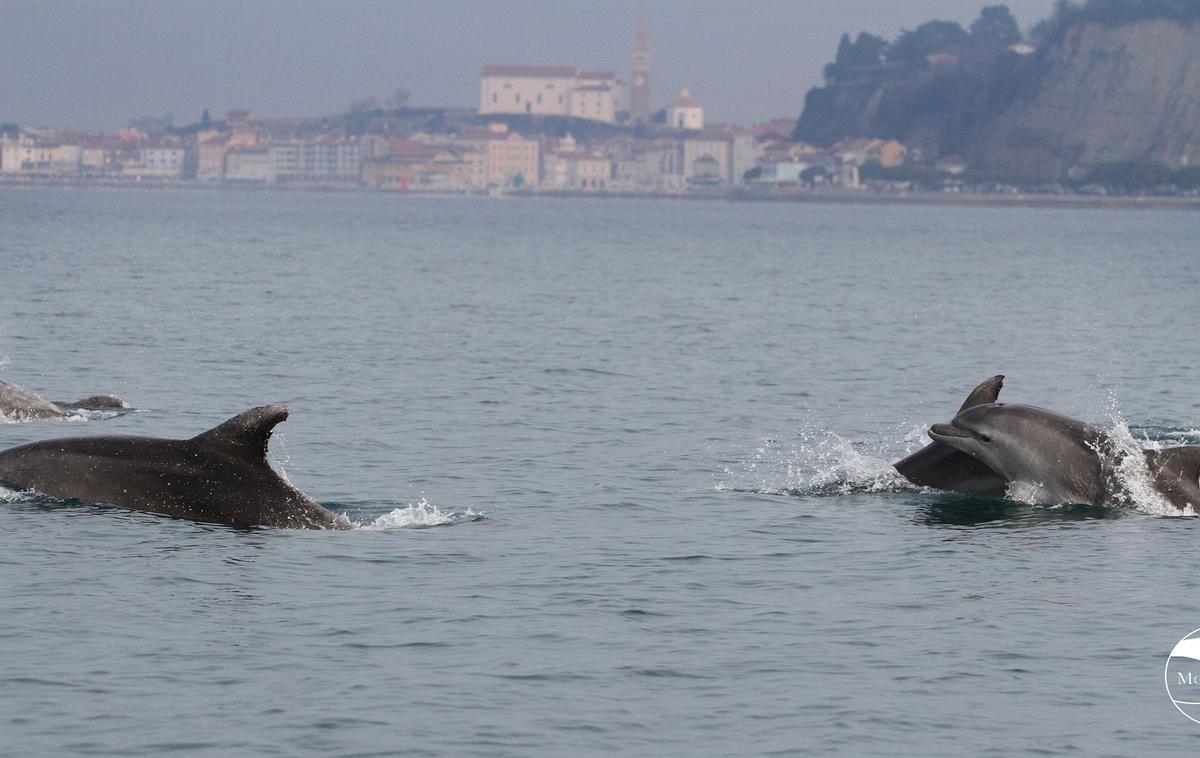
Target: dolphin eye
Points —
{"points": [[985, 438]]}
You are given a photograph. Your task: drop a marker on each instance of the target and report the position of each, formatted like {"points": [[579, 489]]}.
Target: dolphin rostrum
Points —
{"points": [[220, 476], [990, 446], [19, 405]]}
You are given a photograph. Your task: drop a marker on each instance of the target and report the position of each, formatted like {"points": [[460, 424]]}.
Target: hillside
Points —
{"points": [[1109, 80], [1105, 93]]}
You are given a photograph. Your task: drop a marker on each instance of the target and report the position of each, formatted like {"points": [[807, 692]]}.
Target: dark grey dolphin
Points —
{"points": [[220, 476], [945, 468], [19, 405], [1067, 460]]}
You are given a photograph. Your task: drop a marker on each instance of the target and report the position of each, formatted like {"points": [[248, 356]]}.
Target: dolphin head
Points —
{"points": [[991, 432]]}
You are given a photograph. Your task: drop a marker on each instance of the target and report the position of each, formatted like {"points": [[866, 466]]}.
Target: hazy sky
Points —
{"points": [[93, 65]]}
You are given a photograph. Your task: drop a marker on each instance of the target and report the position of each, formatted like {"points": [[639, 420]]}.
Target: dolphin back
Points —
{"points": [[221, 476], [19, 405], [1176, 472]]}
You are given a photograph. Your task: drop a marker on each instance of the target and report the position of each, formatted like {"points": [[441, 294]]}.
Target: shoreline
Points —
{"points": [[847, 197]]}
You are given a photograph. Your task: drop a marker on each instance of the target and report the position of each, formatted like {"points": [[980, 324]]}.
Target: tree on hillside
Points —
{"points": [[398, 100], [153, 126], [865, 52], [996, 27], [927, 39], [843, 53], [366, 105]]}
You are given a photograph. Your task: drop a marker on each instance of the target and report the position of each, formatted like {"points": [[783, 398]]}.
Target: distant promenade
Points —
{"points": [[831, 196]]}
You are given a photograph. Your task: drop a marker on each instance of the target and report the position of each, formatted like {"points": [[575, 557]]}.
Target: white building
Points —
{"points": [[707, 157], [685, 113], [248, 164], [569, 168], [319, 160], [28, 154], [551, 91], [165, 161]]}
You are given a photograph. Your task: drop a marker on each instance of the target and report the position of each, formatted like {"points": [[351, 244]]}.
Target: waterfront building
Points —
{"points": [[210, 157], [743, 155], [705, 154], [567, 167], [248, 165], [320, 159], [160, 161], [104, 155], [418, 166], [639, 97], [683, 112], [550, 91], [36, 154], [509, 159]]}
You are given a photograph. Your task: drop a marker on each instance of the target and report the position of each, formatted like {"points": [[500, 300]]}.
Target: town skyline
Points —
{"points": [[746, 63]]}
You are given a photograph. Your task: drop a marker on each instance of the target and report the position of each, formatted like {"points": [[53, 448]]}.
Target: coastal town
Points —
{"points": [[538, 129]]}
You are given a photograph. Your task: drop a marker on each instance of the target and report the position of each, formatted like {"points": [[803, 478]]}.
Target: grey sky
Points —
{"points": [[94, 65]]}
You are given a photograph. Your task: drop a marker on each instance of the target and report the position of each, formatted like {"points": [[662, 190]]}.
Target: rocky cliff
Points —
{"points": [[1128, 92], [1095, 91]]}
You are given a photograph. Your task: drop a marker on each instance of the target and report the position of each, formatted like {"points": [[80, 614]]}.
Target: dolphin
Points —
{"points": [[220, 476], [1068, 460], [19, 405], [944, 467]]}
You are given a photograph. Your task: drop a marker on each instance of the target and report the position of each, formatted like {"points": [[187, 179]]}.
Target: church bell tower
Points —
{"points": [[639, 95]]}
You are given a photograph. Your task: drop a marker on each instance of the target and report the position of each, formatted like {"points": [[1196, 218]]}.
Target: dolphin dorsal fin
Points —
{"points": [[246, 435], [985, 393]]}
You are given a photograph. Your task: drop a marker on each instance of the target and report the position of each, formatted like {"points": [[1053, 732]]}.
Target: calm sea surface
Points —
{"points": [[623, 472]]}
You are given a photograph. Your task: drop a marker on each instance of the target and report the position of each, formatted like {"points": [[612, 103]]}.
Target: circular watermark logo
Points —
{"points": [[1182, 675]]}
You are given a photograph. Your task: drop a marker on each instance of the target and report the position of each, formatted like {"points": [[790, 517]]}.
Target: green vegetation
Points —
{"points": [[944, 90], [1132, 177], [930, 38], [1111, 13], [996, 27], [938, 79]]}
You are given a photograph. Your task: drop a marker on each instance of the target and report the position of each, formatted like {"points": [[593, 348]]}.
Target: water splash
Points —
{"points": [[12, 496], [420, 515], [1123, 455], [823, 463], [820, 463], [74, 415]]}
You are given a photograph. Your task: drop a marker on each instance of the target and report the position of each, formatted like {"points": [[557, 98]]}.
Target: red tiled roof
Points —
{"points": [[557, 72], [411, 149], [597, 75]]}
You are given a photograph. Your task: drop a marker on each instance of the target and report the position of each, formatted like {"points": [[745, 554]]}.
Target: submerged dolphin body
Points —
{"points": [[220, 476], [990, 446], [19, 405]]}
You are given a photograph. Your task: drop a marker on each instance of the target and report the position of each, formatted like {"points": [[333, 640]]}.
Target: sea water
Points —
{"points": [[622, 469]]}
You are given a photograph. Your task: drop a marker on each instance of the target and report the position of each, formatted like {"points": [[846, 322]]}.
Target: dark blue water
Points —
{"points": [[623, 473]]}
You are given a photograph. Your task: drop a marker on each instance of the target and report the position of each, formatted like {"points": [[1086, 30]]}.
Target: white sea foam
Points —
{"points": [[418, 515], [11, 496], [1134, 482], [75, 416], [819, 463]]}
